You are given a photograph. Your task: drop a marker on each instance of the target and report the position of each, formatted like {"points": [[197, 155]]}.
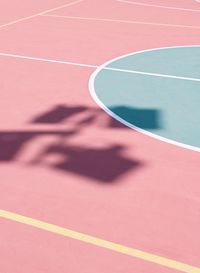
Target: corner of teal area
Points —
{"points": [[154, 91]]}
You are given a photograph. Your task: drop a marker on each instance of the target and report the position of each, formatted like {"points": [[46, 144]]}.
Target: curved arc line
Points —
{"points": [[128, 124]]}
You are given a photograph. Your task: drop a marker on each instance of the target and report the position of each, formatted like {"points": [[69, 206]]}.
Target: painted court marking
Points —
{"points": [[46, 60], [136, 253], [97, 66], [128, 124], [93, 94], [40, 13], [157, 6], [120, 21]]}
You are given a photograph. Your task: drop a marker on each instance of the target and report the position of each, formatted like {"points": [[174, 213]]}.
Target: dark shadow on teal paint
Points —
{"points": [[143, 118]]}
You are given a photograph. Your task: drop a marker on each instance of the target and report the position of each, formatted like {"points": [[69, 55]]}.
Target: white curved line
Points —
{"points": [[96, 99], [109, 112], [157, 6]]}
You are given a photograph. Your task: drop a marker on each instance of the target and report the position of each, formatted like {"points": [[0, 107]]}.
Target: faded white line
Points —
{"points": [[63, 6], [157, 6], [40, 13], [121, 21]]}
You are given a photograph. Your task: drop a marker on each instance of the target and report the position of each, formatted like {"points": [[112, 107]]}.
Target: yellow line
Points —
{"points": [[40, 13], [121, 21], [100, 243]]}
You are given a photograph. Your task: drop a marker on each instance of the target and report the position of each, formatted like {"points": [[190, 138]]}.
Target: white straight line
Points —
{"points": [[46, 60], [152, 74], [96, 66], [40, 13], [120, 21], [63, 6], [19, 20], [157, 6]]}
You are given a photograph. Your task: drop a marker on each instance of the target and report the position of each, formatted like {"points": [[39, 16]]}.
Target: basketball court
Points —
{"points": [[100, 136]]}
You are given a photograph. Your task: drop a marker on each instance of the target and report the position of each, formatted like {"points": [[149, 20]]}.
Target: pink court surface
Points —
{"points": [[80, 192]]}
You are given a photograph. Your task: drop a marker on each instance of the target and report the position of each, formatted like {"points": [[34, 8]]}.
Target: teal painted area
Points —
{"points": [[180, 61], [163, 106]]}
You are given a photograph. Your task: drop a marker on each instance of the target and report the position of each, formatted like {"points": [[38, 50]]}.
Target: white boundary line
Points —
{"points": [[97, 66], [120, 21], [46, 60], [152, 74], [108, 111], [40, 13], [63, 6], [157, 6], [103, 66]]}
